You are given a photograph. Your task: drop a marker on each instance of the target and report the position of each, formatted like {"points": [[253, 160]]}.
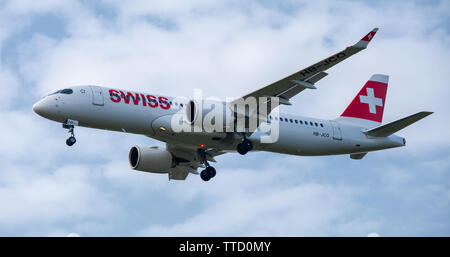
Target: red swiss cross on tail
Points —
{"points": [[369, 103]]}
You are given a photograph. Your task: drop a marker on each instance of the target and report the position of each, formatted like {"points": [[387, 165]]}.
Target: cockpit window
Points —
{"points": [[55, 92], [67, 91]]}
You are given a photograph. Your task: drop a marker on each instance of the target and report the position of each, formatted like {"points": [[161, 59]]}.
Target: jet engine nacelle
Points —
{"points": [[150, 159], [201, 114]]}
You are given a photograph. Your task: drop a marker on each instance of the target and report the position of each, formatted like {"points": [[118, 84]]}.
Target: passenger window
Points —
{"points": [[296, 121], [306, 123], [281, 119], [301, 122], [316, 124], [181, 105], [310, 123], [291, 120], [321, 125]]}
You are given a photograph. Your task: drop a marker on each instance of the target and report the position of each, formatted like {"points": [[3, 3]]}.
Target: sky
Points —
{"points": [[225, 48]]}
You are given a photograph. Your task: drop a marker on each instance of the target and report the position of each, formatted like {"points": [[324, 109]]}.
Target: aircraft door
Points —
{"points": [[97, 96], [337, 135]]}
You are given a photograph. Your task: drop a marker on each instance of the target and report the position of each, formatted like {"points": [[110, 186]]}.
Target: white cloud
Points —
{"points": [[8, 84], [29, 6], [37, 198], [256, 204]]}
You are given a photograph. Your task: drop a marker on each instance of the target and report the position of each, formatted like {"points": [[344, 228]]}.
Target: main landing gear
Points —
{"points": [[245, 146], [209, 172], [71, 140]]}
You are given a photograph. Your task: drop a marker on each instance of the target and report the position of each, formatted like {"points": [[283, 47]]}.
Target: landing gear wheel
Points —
{"points": [[248, 145], [71, 141], [210, 171], [244, 147], [204, 175], [241, 149]]}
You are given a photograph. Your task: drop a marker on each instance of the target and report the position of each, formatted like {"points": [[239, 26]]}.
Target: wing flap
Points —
{"points": [[317, 77], [300, 85]]}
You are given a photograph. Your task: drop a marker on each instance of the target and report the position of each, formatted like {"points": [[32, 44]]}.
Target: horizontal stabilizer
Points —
{"points": [[391, 128], [357, 156]]}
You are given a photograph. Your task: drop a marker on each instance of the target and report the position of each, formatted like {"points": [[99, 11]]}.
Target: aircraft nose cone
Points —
{"points": [[43, 108], [36, 107]]}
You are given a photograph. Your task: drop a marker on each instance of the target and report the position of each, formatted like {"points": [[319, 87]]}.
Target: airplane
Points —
{"points": [[357, 131]]}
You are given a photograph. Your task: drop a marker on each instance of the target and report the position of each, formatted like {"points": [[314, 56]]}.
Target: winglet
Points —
{"points": [[364, 42]]}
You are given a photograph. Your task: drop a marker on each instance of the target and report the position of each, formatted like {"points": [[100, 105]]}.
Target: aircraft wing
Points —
{"points": [[291, 85], [188, 160]]}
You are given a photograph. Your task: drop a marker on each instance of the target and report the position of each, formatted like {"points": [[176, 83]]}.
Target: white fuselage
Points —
{"points": [[94, 107]]}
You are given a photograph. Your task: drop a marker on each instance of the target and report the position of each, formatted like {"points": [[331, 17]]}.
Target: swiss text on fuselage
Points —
{"points": [[139, 98]]}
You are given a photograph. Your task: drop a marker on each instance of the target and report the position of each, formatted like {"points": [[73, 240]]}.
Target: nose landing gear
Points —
{"points": [[71, 140], [70, 125]]}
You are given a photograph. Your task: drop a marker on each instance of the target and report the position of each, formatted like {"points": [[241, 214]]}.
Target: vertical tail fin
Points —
{"points": [[369, 102]]}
